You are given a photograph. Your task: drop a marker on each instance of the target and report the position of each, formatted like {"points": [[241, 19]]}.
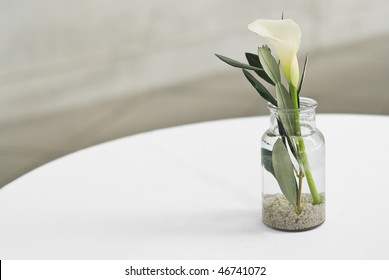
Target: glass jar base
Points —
{"points": [[280, 215], [294, 230]]}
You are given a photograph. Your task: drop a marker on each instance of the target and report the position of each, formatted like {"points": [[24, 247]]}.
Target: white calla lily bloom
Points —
{"points": [[285, 37]]}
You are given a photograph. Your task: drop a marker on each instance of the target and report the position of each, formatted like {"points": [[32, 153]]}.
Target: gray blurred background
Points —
{"points": [[77, 73]]}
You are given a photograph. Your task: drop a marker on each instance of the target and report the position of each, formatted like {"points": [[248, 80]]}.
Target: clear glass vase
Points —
{"points": [[293, 169]]}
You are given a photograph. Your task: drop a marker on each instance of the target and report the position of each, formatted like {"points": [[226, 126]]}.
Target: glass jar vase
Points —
{"points": [[293, 169]]}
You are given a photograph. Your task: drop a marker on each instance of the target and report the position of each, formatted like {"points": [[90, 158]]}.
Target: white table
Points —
{"points": [[194, 192]]}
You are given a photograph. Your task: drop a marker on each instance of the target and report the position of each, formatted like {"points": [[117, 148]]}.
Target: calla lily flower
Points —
{"points": [[284, 36]]}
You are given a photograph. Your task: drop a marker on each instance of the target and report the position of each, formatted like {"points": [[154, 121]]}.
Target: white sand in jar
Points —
{"points": [[279, 214]]}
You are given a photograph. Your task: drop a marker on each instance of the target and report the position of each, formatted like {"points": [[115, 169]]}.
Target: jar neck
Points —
{"points": [[307, 113]]}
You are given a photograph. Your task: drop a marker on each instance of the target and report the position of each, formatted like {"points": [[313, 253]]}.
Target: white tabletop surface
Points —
{"points": [[194, 192]]}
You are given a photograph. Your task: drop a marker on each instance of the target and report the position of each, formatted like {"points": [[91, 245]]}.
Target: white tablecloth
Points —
{"points": [[194, 192]]}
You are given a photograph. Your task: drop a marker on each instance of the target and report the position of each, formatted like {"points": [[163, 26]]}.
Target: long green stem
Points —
{"points": [[300, 187], [303, 155]]}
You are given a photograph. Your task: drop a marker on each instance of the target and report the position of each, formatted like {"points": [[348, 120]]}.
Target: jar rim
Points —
{"points": [[306, 104]]}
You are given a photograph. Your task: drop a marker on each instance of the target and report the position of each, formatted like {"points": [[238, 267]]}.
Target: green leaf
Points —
{"points": [[303, 75], [269, 64], [266, 157], [238, 64], [253, 60], [285, 109], [291, 143], [283, 169], [260, 88]]}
